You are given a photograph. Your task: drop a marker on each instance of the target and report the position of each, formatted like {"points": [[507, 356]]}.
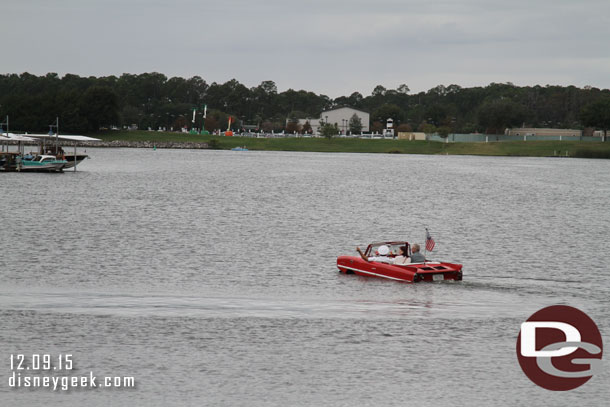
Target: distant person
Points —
{"points": [[416, 256], [402, 257], [381, 256]]}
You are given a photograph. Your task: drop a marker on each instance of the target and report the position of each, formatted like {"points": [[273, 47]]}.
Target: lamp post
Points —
{"points": [[2, 124], [453, 127], [56, 125]]}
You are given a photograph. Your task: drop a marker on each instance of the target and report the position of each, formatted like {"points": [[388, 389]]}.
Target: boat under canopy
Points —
{"points": [[49, 145]]}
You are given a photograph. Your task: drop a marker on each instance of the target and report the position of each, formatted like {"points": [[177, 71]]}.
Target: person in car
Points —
{"points": [[416, 256], [402, 257], [382, 255]]}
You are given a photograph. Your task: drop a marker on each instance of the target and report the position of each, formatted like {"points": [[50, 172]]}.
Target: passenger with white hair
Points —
{"points": [[382, 255]]}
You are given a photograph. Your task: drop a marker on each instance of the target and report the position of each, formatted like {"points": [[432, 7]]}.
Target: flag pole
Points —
{"points": [[426, 246]]}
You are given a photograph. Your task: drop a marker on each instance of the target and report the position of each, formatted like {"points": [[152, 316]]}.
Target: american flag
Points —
{"points": [[429, 241]]}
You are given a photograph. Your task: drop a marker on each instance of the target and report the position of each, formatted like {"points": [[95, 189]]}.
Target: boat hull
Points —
{"points": [[73, 160], [411, 273], [36, 166]]}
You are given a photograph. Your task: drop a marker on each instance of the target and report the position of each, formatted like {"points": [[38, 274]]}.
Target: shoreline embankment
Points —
{"points": [[159, 140]]}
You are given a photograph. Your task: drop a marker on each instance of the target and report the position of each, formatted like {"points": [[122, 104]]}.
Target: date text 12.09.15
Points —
{"points": [[41, 361]]}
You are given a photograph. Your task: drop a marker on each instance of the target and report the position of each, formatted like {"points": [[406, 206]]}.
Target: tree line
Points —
{"points": [[86, 104]]}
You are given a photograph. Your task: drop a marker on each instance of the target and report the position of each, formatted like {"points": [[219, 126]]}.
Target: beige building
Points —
{"points": [[541, 132], [408, 135]]}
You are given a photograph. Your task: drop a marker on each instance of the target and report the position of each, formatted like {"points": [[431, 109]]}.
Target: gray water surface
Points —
{"points": [[210, 276]]}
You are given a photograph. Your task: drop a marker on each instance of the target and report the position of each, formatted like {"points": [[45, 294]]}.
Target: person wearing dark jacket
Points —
{"points": [[416, 256]]}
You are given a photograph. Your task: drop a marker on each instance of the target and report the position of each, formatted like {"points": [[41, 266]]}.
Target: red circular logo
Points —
{"points": [[559, 348]]}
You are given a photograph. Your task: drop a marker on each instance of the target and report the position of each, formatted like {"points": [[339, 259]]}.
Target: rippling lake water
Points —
{"points": [[210, 276]]}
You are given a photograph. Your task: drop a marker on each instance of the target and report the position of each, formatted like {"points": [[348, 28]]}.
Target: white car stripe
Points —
{"points": [[375, 274]]}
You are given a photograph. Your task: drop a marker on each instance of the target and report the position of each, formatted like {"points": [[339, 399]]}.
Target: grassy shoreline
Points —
{"points": [[504, 148]]}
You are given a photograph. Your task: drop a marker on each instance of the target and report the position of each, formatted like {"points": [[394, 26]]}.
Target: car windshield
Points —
{"points": [[393, 248]]}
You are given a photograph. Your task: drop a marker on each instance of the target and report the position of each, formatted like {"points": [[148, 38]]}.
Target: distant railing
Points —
{"points": [[473, 138]]}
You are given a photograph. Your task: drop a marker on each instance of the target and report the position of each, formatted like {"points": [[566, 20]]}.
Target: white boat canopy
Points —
{"points": [[15, 137], [65, 137]]}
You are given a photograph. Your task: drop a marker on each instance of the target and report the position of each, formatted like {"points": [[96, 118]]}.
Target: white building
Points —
{"points": [[313, 122], [339, 116], [342, 115]]}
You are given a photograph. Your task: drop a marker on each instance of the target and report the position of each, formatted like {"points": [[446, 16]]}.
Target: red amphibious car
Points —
{"points": [[412, 272]]}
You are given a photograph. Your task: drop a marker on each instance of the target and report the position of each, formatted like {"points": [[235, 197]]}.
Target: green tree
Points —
{"points": [[377, 127], [264, 99], [294, 116], [404, 89], [497, 115], [267, 126], [99, 106], [443, 131], [387, 111], [306, 127], [428, 128], [235, 98], [211, 124], [436, 114], [70, 118], [33, 102], [329, 130], [355, 99], [597, 114], [405, 127], [355, 124], [292, 127], [379, 91]]}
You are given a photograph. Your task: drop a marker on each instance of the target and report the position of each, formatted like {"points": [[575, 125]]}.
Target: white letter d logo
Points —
{"points": [[528, 338]]}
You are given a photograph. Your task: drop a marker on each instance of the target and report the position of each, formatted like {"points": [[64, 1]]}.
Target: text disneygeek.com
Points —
{"points": [[31, 371]]}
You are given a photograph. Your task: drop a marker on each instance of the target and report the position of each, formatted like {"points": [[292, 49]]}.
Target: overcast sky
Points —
{"points": [[333, 47]]}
